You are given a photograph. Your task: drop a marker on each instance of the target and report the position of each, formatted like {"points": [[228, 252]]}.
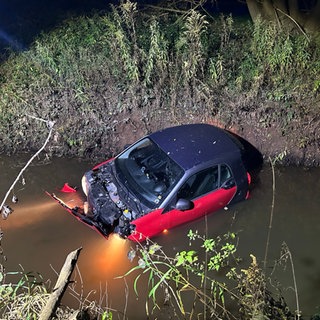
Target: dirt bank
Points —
{"points": [[294, 135], [110, 120]]}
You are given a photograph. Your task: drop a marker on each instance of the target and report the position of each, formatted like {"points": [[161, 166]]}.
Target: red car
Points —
{"points": [[167, 178]]}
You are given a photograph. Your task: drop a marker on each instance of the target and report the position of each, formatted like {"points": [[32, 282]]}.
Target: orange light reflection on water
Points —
{"points": [[109, 258], [26, 214], [103, 264]]}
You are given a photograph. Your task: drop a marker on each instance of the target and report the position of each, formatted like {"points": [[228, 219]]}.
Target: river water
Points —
{"points": [[39, 234]]}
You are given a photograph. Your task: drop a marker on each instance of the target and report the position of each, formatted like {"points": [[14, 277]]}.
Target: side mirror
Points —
{"points": [[230, 183], [184, 204]]}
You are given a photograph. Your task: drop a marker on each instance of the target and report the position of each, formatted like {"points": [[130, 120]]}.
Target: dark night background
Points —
{"points": [[21, 21]]}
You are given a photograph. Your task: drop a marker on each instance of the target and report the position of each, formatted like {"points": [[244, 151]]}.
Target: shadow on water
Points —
{"points": [[40, 234]]}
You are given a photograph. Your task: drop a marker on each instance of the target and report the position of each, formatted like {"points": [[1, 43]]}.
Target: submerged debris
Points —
{"points": [[14, 199], [5, 211], [131, 255]]}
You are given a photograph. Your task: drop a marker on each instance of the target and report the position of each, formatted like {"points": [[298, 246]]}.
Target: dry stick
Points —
{"points": [[61, 286], [298, 312], [50, 124], [271, 214], [127, 298], [288, 253], [205, 272]]}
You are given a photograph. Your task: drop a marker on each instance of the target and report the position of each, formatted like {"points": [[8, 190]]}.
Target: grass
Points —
{"points": [[91, 68], [24, 295]]}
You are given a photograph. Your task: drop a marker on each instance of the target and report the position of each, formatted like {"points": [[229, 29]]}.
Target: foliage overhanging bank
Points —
{"points": [[92, 74]]}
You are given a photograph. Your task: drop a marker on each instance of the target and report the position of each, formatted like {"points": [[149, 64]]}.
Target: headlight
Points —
{"points": [[85, 185]]}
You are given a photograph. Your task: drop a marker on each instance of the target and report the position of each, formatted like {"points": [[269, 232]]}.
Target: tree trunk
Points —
{"points": [[313, 23], [287, 13], [254, 8]]}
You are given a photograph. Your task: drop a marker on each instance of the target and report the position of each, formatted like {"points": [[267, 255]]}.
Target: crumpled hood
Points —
{"points": [[104, 208], [107, 207]]}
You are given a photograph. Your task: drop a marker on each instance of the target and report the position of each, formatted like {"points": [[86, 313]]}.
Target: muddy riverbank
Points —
{"points": [[97, 135]]}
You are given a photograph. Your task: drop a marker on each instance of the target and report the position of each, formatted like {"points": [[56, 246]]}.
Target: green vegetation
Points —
{"points": [[24, 298], [156, 70], [25, 295], [206, 283]]}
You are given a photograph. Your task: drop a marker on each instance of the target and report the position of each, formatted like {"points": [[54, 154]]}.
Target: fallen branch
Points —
{"points": [[61, 286], [50, 125]]}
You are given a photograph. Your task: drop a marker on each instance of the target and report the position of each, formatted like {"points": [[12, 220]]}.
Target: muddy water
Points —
{"points": [[39, 234]]}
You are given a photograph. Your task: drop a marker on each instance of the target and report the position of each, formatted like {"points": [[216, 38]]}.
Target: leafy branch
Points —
{"points": [[176, 275]]}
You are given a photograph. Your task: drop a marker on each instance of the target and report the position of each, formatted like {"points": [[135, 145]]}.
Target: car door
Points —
{"points": [[207, 191]]}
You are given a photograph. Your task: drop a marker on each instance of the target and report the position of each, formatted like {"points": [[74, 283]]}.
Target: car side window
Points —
{"points": [[200, 183], [225, 174]]}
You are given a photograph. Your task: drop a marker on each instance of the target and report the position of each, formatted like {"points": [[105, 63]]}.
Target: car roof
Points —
{"points": [[192, 144]]}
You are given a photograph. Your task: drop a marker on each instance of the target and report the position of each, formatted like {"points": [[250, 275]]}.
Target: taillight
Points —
{"points": [[249, 178], [249, 182]]}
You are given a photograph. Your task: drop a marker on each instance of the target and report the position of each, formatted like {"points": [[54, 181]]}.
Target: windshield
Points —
{"points": [[148, 172]]}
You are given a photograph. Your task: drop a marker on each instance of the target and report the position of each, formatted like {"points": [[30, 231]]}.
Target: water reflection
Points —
{"points": [[40, 234], [111, 256], [29, 214]]}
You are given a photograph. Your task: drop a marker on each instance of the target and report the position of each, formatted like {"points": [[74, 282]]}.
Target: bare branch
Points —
{"points": [[3, 208], [295, 22]]}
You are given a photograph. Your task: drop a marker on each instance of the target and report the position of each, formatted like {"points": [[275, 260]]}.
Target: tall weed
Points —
{"points": [[190, 49], [123, 41], [207, 273], [157, 59]]}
